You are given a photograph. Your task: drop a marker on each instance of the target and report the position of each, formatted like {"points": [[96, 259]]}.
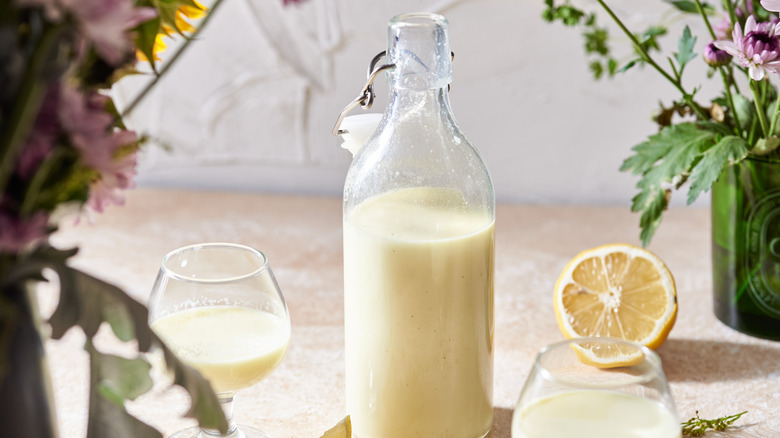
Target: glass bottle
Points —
{"points": [[746, 247], [419, 213]]}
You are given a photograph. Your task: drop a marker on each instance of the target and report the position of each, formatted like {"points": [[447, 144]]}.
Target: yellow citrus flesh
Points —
{"points": [[617, 291], [608, 355], [341, 430]]}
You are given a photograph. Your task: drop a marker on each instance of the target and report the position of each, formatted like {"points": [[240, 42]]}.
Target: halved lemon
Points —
{"points": [[343, 429], [618, 291], [609, 354]]}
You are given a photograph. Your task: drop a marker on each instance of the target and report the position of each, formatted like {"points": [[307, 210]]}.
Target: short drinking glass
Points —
{"points": [[218, 307], [564, 397]]}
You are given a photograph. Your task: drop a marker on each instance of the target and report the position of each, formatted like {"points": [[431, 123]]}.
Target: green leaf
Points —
{"points": [[205, 405], [744, 109], [676, 146], [690, 7], [612, 66], [765, 146], [32, 266], [629, 65], [649, 39], [596, 41], [145, 36], [727, 151], [107, 415], [596, 69], [662, 159], [685, 48], [653, 204], [119, 378], [90, 302]]}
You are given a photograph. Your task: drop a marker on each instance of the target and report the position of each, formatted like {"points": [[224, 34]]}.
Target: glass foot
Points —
{"points": [[240, 432]]}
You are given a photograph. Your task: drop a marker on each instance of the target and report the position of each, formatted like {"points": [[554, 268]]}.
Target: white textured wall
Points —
{"points": [[251, 105]]}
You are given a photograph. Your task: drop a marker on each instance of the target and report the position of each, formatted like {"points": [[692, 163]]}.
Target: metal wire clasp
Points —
{"points": [[366, 97]]}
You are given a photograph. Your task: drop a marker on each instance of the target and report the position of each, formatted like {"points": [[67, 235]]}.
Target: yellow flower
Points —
{"points": [[192, 10], [159, 46], [186, 11]]}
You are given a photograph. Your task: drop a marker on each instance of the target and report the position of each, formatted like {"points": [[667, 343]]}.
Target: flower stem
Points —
{"points": [[759, 107], [722, 71], [28, 102], [706, 20], [774, 117], [140, 96], [647, 58], [37, 181]]}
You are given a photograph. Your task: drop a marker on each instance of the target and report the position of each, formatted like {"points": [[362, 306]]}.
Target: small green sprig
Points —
{"points": [[698, 426]]}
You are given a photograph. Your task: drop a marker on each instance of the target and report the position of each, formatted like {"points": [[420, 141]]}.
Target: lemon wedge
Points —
{"points": [[341, 430], [618, 291]]}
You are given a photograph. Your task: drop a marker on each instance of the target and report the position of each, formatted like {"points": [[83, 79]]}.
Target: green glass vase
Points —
{"points": [[746, 247]]}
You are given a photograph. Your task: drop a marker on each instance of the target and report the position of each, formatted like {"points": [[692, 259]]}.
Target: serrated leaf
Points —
{"points": [[717, 127], [89, 302], [32, 266], [654, 202], [205, 405], [676, 146], [107, 417], [119, 378], [727, 151], [662, 159], [685, 48]]}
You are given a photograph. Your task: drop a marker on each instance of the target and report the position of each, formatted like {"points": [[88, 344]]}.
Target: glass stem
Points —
{"points": [[227, 408]]}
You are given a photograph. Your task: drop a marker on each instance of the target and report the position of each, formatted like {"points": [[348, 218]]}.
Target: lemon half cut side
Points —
{"points": [[617, 291]]}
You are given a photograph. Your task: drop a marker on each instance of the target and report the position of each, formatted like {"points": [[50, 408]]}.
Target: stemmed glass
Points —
{"points": [[565, 397], [218, 307]]}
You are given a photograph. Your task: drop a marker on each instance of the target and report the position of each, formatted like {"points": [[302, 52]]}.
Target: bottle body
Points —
{"points": [[419, 318], [418, 268], [745, 252]]}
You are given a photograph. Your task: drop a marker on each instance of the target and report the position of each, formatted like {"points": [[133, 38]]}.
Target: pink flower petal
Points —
{"points": [[771, 5]]}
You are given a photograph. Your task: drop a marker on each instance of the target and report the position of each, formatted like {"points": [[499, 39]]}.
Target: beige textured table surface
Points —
{"points": [[710, 367]]}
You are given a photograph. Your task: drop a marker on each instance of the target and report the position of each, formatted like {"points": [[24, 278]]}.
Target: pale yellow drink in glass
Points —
{"points": [[595, 414], [233, 347], [419, 316]]}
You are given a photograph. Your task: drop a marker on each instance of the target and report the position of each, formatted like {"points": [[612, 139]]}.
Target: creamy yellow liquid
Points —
{"points": [[595, 414], [419, 316], [233, 347]]}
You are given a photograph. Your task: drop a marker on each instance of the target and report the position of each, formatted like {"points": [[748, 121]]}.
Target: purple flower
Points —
{"points": [[716, 57], [103, 23], [108, 151], [758, 49], [16, 233]]}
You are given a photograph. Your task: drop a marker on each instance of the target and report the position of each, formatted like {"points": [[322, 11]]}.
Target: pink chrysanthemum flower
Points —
{"points": [[758, 48], [771, 5], [715, 57], [104, 23], [102, 149]]}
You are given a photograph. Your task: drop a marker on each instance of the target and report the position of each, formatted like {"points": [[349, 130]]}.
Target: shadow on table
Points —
{"points": [[502, 423], [712, 361]]}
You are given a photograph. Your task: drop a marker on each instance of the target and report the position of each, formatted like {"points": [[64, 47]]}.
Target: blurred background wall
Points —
{"points": [[251, 104]]}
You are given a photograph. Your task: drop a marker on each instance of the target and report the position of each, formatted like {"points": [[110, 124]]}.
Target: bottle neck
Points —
{"points": [[420, 108]]}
